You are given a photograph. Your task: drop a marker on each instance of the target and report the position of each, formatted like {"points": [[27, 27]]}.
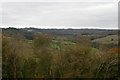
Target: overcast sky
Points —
{"points": [[60, 14]]}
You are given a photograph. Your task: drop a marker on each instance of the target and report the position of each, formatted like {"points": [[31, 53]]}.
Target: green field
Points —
{"points": [[55, 45], [29, 42], [94, 51], [64, 43]]}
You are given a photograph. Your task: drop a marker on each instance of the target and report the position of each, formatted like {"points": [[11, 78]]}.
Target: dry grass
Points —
{"points": [[112, 39]]}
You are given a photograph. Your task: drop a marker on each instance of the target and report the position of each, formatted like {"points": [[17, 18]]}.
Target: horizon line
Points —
{"points": [[60, 28], [55, 27]]}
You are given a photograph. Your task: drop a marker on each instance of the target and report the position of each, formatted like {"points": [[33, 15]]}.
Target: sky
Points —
{"points": [[59, 14]]}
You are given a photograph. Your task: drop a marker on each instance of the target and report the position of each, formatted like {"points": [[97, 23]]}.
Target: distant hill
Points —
{"points": [[29, 32], [112, 39], [72, 31]]}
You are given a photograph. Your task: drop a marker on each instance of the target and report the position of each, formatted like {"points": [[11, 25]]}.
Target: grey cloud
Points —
{"points": [[60, 0], [81, 14]]}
